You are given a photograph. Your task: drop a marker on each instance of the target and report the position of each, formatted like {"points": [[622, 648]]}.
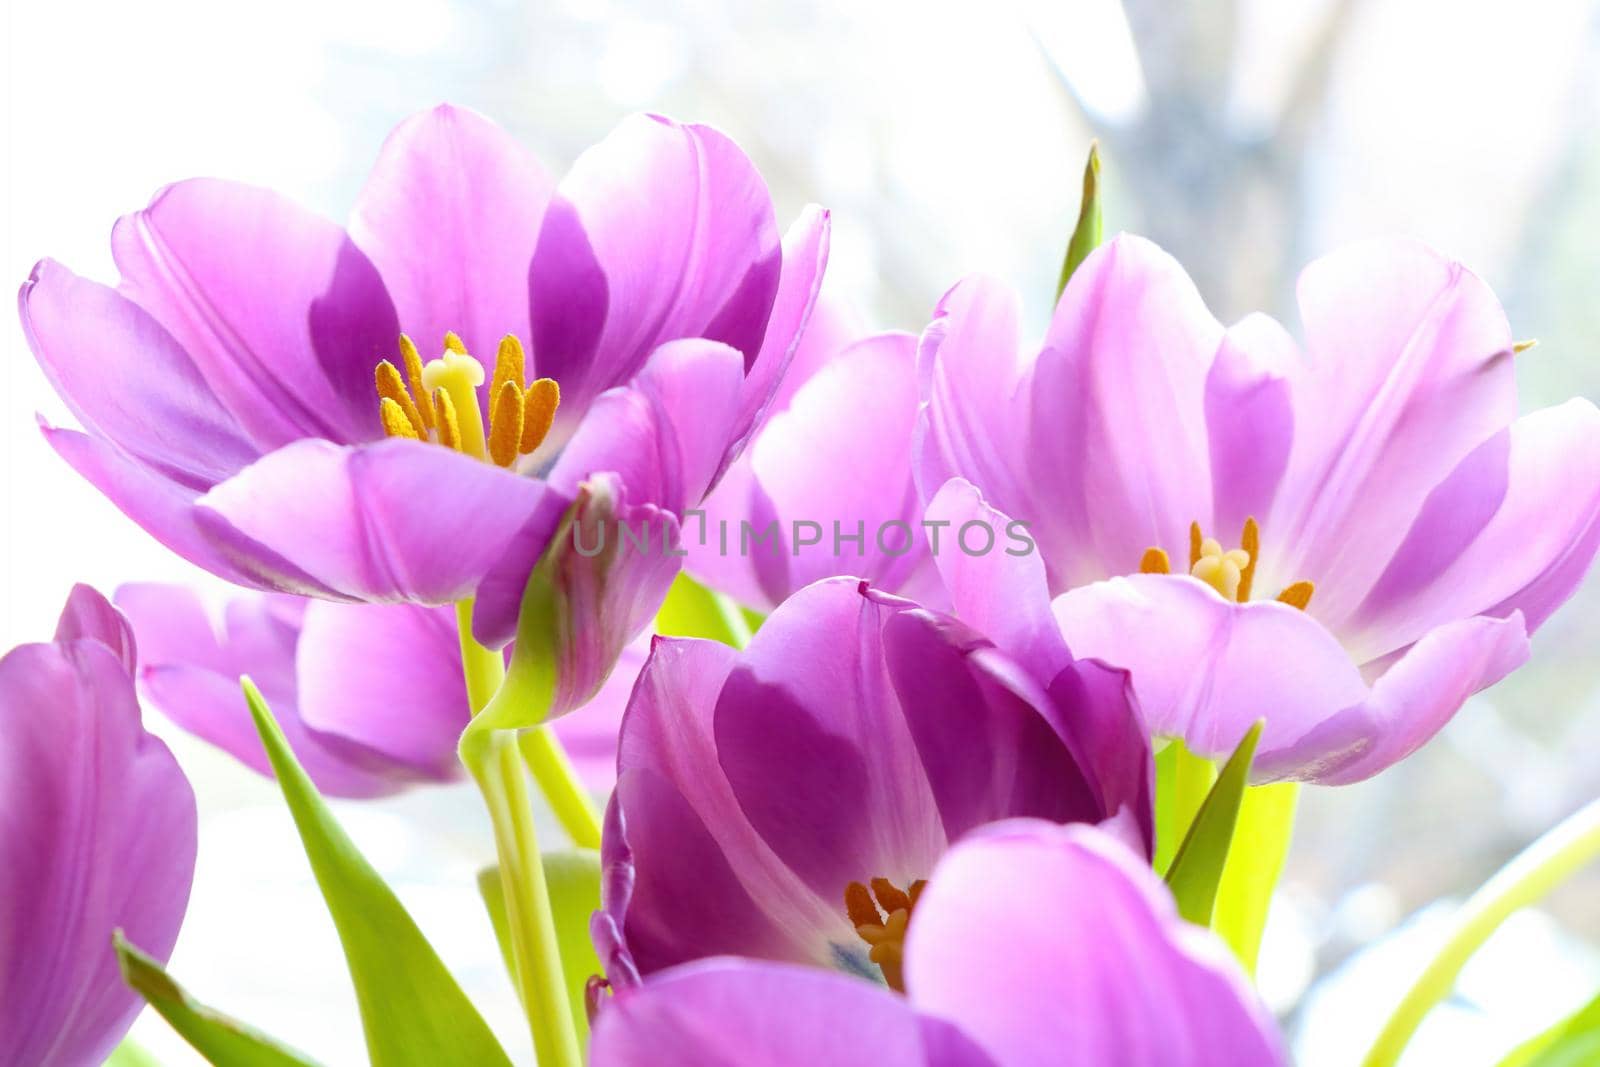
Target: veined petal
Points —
{"points": [[1056, 946], [97, 833], [127, 380], [88, 616], [449, 216], [192, 663], [1409, 369], [726, 1011], [285, 317], [398, 520], [854, 415], [589, 734], [1249, 420], [662, 231], [1513, 528]]}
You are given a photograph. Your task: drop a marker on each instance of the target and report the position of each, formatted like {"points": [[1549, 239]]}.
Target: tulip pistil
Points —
{"points": [[1230, 572], [884, 930], [438, 401]]}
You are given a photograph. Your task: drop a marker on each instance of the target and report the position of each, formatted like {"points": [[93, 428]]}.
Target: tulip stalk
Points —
{"points": [[1529, 876], [496, 763]]}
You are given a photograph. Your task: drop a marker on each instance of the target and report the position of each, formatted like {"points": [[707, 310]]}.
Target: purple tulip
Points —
{"points": [[1400, 529], [247, 394], [826, 486], [770, 802], [97, 833], [1032, 945], [370, 696]]}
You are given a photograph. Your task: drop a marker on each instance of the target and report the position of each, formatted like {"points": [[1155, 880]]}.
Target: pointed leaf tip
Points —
{"points": [[1089, 231], [1197, 868]]}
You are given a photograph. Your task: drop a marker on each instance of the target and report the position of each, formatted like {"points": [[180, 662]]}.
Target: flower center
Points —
{"points": [[439, 402], [884, 931], [1231, 573]]}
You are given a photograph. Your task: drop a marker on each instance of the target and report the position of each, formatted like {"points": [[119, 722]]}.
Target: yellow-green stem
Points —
{"points": [[1537, 870], [562, 788], [1255, 861], [495, 762]]}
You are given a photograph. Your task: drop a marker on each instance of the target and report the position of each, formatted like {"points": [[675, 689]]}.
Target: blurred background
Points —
{"points": [[1247, 136]]}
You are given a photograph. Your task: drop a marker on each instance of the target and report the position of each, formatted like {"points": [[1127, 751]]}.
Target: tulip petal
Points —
{"points": [[449, 216], [662, 231], [97, 833], [589, 735], [1104, 972], [724, 1012], [1409, 369], [1250, 421], [285, 317], [126, 379], [398, 520], [1513, 528], [88, 616]]}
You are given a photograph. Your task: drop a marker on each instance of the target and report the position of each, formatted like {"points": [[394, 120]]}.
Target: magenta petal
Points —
{"points": [[97, 833], [449, 216], [285, 317], [127, 380], [590, 734], [89, 616], [662, 231], [724, 1012], [856, 414], [1249, 420], [812, 701], [161, 506], [387, 676], [703, 881], [1409, 368], [192, 664], [1205, 669], [1514, 527], [805, 257], [1411, 701], [398, 520], [1057, 946]]}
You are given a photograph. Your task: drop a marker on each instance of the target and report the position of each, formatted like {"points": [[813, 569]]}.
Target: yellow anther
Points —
{"points": [[539, 405], [859, 906], [392, 390], [890, 896], [452, 343], [505, 424], [1250, 545], [1155, 561], [413, 364], [445, 411], [884, 931], [508, 367], [1194, 544], [459, 375], [1522, 346], [1297, 595], [396, 423]]}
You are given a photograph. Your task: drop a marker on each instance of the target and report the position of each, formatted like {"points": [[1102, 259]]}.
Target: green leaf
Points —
{"points": [[1197, 869], [1183, 781], [1572, 1042], [223, 1041], [692, 610], [1086, 235], [412, 1010], [573, 879], [1255, 861]]}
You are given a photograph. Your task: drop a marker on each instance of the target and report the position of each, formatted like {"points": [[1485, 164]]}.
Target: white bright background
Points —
{"points": [[947, 137]]}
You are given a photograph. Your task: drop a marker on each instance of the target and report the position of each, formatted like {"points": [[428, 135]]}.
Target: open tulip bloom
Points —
{"points": [[947, 759]]}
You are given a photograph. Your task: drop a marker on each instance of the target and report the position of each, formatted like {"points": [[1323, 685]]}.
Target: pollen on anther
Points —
{"points": [[1297, 595], [505, 424], [1155, 561], [508, 365], [396, 423], [539, 404], [413, 363], [859, 906], [453, 343], [890, 896], [445, 412], [1250, 543], [393, 390], [1196, 541]]}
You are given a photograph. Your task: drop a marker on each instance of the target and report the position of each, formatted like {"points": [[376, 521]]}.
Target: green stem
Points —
{"points": [[1255, 862], [562, 788], [1182, 782], [1539, 868], [495, 763]]}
